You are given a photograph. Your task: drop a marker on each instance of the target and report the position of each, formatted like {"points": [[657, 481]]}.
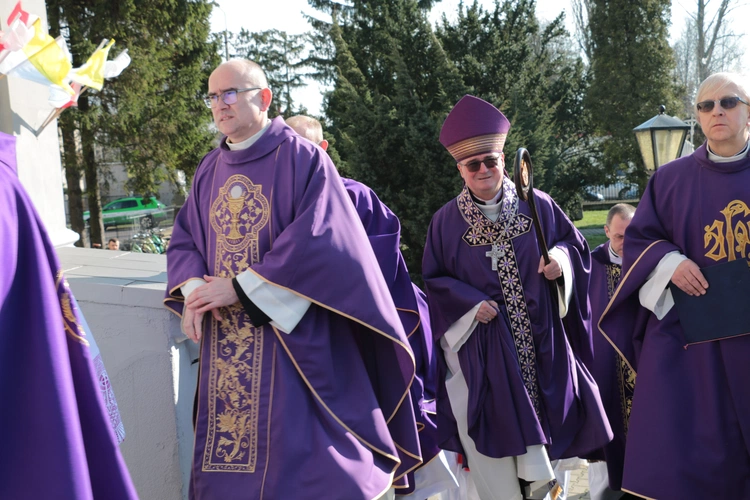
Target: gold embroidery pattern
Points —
{"points": [[482, 231], [69, 318], [625, 376], [736, 238], [509, 225], [613, 278], [239, 212], [627, 386]]}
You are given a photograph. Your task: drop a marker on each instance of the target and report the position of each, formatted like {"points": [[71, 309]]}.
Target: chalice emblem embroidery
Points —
{"points": [[239, 211], [235, 203]]}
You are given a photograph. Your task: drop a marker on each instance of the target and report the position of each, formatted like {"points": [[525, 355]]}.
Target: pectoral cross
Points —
{"points": [[495, 254]]}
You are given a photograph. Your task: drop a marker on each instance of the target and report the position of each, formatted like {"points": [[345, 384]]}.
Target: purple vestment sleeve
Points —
{"points": [[56, 434], [8, 151], [384, 233], [563, 235], [383, 230], [318, 245], [647, 244], [450, 297], [187, 252], [325, 240]]}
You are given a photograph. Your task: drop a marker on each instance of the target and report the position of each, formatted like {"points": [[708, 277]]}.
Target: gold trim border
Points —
{"points": [[419, 321], [637, 494], [325, 406], [406, 348], [270, 420], [477, 145], [611, 301]]}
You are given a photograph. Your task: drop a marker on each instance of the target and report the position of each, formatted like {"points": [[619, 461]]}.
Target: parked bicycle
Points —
{"points": [[150, 241]]}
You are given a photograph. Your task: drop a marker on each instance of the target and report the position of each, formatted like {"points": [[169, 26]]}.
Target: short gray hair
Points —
{"points": [[624, 210], [307, 126], [718, 81]]}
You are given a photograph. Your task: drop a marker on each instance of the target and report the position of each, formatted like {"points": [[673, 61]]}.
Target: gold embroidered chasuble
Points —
{"points": [[274, 404]]}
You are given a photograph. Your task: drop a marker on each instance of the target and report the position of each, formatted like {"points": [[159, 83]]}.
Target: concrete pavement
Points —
{"points": [[579, 485], [578, 488]]}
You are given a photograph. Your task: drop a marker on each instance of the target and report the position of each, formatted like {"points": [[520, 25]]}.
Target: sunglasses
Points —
{"points": [[228, 96], [490, 162], [724, 102]]}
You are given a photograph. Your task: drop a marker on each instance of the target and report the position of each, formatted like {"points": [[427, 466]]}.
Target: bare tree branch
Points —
{"points": [[707, 45], [581, 15]]}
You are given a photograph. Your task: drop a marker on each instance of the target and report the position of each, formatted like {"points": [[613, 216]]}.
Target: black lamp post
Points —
{"points": [[661, 139]]}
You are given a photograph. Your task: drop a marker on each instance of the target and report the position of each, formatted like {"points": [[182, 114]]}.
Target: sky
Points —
{"points": [[287, 15]]}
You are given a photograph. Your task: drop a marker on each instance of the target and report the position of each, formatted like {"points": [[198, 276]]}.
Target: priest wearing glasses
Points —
{"points": [[305, 369], [515, 397], [689, 427]]}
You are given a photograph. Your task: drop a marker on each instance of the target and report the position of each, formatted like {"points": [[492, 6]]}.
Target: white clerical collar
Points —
{"points": [[491, 208], [726, 159], [495, 199], [248, 142], [613, 257]]}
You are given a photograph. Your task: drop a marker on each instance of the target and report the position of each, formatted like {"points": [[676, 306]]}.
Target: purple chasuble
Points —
{"points": [[321, 412], [525, 369], [689, 428], [384, 232], [612, 374], [56, 434]]}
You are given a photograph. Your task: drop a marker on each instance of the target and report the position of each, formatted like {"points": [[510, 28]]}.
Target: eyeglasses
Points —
{"points": [[490, 162], [724, 102], [228, 96]]}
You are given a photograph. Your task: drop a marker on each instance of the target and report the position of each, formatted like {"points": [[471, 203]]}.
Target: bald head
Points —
{"points": [[248, 70], [240, 99], [309, 128]]}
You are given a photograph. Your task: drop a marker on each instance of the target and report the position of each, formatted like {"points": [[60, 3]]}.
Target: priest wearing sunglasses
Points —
{"points": [[515, 397], [689, 429]]}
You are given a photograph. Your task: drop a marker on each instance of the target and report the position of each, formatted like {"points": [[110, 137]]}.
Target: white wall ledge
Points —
{"points": [[113, 277], [121, 295]]}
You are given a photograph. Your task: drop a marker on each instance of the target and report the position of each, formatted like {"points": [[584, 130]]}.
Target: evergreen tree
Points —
{"points": [[151, 113], [529, 73], [281, 56], [632, 66], [393, 87]]}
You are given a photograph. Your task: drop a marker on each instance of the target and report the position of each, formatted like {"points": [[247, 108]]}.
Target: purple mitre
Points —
{"points": [[473, 127]]}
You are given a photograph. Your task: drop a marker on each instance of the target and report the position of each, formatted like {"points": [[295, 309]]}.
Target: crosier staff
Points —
{"points": [[523, 176]]}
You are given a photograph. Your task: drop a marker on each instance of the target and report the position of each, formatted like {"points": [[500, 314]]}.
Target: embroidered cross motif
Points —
{"points": [[500, 234], [483, 231], [495, 254]]}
